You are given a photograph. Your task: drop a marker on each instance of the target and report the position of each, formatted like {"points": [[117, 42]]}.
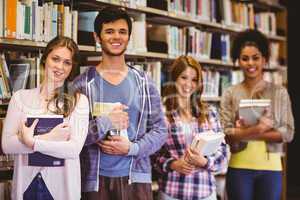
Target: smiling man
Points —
{"points": [[115, 161]]}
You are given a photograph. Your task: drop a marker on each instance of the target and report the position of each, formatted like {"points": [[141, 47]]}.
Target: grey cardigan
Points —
{"points": [[280, 107]]}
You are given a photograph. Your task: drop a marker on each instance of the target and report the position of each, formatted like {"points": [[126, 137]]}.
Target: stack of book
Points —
{"points": [[250, 110]]}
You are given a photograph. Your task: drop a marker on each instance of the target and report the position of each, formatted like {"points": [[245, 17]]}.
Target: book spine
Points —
{"points": [[10, 18]]}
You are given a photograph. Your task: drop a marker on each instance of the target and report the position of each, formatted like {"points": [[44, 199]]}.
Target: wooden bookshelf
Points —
{"points": [[177, 19]]}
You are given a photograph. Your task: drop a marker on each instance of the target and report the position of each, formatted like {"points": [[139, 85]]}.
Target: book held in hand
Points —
{"points": [[45, 124], [250, 110], [103, 109], [207, 142]]}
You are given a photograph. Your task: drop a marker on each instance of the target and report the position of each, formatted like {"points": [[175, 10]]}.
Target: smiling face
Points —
{"points": [[114, 37], [58, 66], [186, 83], [252, 62]]}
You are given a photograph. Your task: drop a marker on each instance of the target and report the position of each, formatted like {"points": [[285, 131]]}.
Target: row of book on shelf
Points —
{"points": [[42, 20], [230, 13], [22, 72], [37, 20], [171, 40]]}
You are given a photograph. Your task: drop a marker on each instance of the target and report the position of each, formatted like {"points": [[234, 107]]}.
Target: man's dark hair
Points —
{"points": [[250, 38], [111, 14]]}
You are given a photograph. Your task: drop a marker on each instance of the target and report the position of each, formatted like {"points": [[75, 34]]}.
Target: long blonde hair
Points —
{"points": [[64, 97]]}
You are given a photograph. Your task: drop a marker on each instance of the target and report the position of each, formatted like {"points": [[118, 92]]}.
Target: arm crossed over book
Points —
{"points": [[251, 110], [45, 124]]}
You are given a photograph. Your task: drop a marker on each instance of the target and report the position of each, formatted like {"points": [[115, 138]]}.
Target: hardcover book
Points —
{"points": [[207, 143], [45, 124], [250, 110]]}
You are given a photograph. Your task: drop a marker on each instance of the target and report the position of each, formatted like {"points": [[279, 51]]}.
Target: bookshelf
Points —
{"points": [[190, 26]]}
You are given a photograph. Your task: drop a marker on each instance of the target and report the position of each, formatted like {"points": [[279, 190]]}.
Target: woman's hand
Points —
{"points": [[61, 132], [182, 166], [26, 135], [265, 122], [195, 158]]}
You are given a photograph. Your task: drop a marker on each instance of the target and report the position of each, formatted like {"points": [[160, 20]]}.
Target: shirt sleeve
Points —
{"points": [[162, 159], [79, 120], [284, 121], [227, 113], [156, 130], [12, 124]]}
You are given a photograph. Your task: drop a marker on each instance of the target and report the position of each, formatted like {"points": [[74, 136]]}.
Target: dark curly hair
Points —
{"points": [[110, 14], [250, 37]]}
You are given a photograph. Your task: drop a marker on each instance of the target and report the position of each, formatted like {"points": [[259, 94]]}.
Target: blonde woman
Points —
{"points": [[64, 141]]}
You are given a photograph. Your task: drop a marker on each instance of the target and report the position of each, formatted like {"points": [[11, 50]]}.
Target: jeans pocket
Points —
{"points": [[37, 190]]}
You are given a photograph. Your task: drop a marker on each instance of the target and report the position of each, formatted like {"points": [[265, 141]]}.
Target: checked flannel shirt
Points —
{"points": [[201, 183]]}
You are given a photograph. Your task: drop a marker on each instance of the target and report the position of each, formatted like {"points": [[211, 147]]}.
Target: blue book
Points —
{"points": [[44, 125]]}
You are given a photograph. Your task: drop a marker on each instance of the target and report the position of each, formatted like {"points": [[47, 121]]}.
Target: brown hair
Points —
{"points": [[64, 97], [199, 108]]}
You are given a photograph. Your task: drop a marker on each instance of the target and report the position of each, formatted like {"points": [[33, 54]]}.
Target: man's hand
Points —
{"points": [[115, 145], [119, 118]]}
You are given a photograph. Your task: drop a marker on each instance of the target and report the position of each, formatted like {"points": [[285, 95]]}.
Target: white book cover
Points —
{"points": [[250, 110], [46, 24], [20, 21], [67, 22], [139, 34], [207, 143], [74, 25]]}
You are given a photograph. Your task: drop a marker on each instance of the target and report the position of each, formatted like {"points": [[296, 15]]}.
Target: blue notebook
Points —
{"points": [[44, 125]]}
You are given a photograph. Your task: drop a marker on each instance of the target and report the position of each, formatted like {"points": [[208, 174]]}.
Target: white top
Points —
{"points": [[62, 182], [188, 132]]}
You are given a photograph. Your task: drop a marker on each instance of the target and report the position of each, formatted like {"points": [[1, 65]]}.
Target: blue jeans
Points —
{"points": [[246, 184], [37, 190]]}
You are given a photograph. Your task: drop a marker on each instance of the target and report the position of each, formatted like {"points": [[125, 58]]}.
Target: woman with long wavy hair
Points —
{"points": [[183, 172], [64, 141]]}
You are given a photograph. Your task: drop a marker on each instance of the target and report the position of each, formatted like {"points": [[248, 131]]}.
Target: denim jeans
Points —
{"points": [[37, 190], [245, 184]]}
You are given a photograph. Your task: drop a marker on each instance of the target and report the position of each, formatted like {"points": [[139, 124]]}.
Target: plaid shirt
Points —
{"points": [[199, 184]]}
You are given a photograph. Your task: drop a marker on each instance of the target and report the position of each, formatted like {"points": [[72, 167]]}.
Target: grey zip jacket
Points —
{"points": [[150, 136]]}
